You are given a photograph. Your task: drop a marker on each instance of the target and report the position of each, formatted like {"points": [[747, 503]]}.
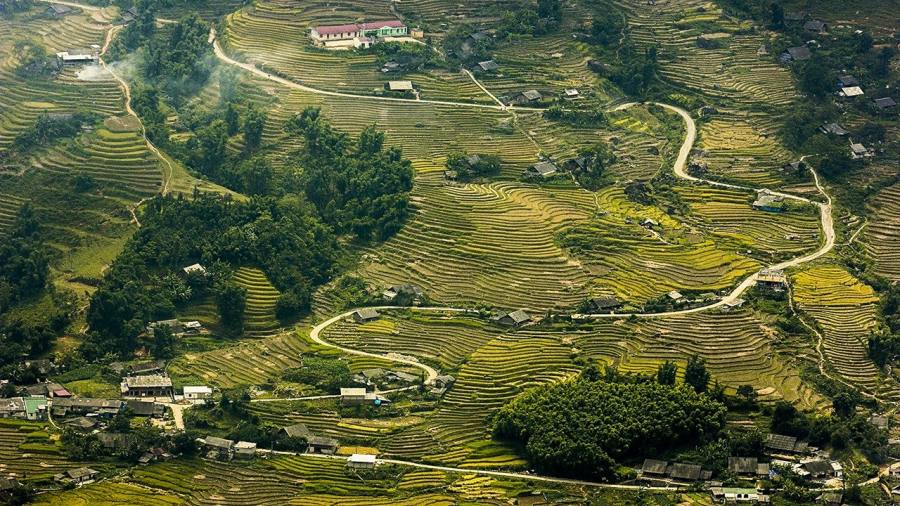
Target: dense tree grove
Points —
{"points": [[468, 167], [358, 187], [283, 236], [178, 59], [581, 427], [47, 128]]}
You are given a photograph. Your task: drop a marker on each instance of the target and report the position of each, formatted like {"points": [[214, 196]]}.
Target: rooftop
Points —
{"points": [[148, 381], [353, 27]]}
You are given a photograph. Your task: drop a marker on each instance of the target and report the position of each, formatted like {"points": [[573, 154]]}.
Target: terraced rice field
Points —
{"points": [[750, 91], [846, 311], [882, 234], [257, 35], [259, 315], [728, 215], [28, 457], [108, 493]]}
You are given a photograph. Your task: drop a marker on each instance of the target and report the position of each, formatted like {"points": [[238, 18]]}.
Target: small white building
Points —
{"points": [[851, 91], [197, 394], [361, 461], [190, 269]]}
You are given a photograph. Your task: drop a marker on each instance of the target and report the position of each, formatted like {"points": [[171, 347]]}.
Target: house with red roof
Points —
{"points": [[357, 34]]}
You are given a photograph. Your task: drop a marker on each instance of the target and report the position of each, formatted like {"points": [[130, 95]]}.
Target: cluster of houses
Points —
{"points": [[376, 375], [361, 35]]}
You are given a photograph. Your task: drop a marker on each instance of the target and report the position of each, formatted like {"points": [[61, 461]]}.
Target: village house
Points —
{"points": [[514, 318], [369, 376], [321, 444], [113, 440], [834, 129], [359, 35], [571, 93], [654, 468], [194, 269], [815, 26], [298, 430], [391, 66], [58, 10], [365, 315], [885, 103], [7, 485], [82, 406], [151, 385], [527, 96], [785, 444], [675, 296], [735, 495], [685, 472], [771, 278], [858, 151], [441, 384], [406, 293], [175, 326], [488, 66], [244, 450], [578, 163], [356, 396], [846, 80], [543, 169], [129, 15], [400, 377], [145, 408], [197, 394], [799, 53], [851, 91], [747, 466], [602, 304], [769, 202], [361, 461], [13, 407], [77, 476], [730, 305], [79, 56], [399, 86], [81, 423], [219, 448], [817, 469]]}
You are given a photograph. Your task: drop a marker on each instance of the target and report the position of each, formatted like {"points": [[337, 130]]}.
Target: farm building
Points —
{"points": [[488, 66], [356, 34], [321, 444], [13, 407], [406, 293], [151, 385], [685, 472], [603, 303], [219, 448], [113, 440], [528, 96], [654, 467], [743, 465], [578, 163], [145, 408], [399, 86], [194, 269], [81, 406], [244, 450], [441, 384], [174, 325], [78, 476], [675, 295], [735, 495], [815, 26], [81, 423], [851, 91], [513, 318], [361, 461], [298, 430], [771, 278], [365, 314], [129, 15], [733, 304], [391, 66], [571, 93], [356, 396], [197, 393], [885, 103], [542, 169], [787, 444], [858, 151], [846, 80], [400, 377], [834, 129], [818, 468], [58, 10], [77, 57], [799, 53], [769, 202]]}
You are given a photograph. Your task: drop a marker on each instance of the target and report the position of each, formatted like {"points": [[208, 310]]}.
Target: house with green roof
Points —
{"points": [[36, 408]]}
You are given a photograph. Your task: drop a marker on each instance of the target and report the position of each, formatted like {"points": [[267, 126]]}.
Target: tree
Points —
{"points": [[776, 16], [231, 300], [254, 123], [864, 42], [232, 119], [844, 404], [748, 395], [257, 175], [163, 343], [666, 373], [815, 78], [696, 375]]}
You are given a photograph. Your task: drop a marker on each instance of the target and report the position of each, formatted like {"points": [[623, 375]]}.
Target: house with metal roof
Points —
{"points": [[365, 314]]}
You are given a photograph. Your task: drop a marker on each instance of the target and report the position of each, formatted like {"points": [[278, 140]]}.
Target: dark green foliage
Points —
{"points": [[777, 16], [163, 343], [137, 33], [328, 374], [47, 129], [581, 118], [844, 404], [787, 420], [579, 428], [254, 123], [257, 175], [666, 373], [358, 187], [607, 26], [145, 101], [78, 446], [594, 176], [350, 292], [639, 192], [283, 237], [884, 347], [34, 61], [815, 79], [469, 167], [231, 300], [409, 56], [695, 374], [24, 264], [527, 21], [636, 71], [207, 147], [177, 59]]}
